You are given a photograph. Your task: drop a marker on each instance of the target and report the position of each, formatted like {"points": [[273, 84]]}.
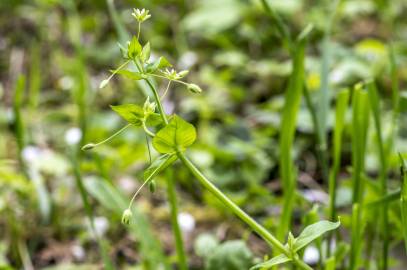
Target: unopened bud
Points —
{"points": [[194, 88], [88, 146], [152, 186], [126, 217]]}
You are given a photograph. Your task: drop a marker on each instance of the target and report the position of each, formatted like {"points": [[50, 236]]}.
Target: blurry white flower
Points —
{"points": [[31, 153], [186, 222], [101, 225], [66, 83], [187, 60], [311, 255], [73, 136], [78, 252]]}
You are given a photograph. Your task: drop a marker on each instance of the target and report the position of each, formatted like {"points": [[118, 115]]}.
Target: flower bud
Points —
{"points": [[149, 107], [152, 186], [88, 146], [126, 217], [194, 88]]}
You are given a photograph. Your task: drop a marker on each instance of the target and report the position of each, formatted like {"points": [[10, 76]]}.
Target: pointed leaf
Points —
{"points": [[159, 165], [131, 75], [161, 62], [145, 53], [313, 231], [130, 112], [177, 135], [272, 262], [134, 48]]}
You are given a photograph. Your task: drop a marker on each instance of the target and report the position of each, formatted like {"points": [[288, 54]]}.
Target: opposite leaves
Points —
{"points": [[176, 136], [134, 114]]}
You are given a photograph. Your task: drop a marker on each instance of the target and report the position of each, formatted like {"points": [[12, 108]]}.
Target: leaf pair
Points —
{"points": [[135, 115], [309, 234]]}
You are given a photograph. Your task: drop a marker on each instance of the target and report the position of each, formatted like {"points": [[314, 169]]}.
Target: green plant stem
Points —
{"points": [[182, 260], [238, 211], [172, 198]]}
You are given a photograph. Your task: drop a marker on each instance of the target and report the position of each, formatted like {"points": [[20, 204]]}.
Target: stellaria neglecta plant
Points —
{"points": [[172, 139]]}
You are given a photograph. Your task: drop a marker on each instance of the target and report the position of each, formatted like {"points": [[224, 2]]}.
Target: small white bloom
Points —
{"points": [[186, 222], [73, 136], [187, 60], [66, 83], [31, 153], [311, 255], [141, 15], [101, 225], [78, 252]]}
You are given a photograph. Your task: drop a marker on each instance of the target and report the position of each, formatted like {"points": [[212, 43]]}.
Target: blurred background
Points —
{"points": [[54, 54]]}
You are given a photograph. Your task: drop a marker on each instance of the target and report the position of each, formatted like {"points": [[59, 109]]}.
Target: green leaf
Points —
{"points": [[159, 165], [272, 262], [161, 62], [145, 53], [131, 75], [177, 135], [130, 112], [134, 114], [134, 48], [312, 232]]}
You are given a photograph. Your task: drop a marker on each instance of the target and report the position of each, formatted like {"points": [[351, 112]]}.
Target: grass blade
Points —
{"points": [[384, 223], [360, 120], [288, 124]]}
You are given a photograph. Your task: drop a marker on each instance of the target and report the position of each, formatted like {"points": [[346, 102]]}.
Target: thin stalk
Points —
{"points": [[403, 199], [260, 230], [340, 113], [172, 198], [182, 260], [384, 223], [89, 210], [360, 120], [321, 145]]}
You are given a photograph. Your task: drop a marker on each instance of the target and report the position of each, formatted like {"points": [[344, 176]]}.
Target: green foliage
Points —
{"points": [[174, 137]]}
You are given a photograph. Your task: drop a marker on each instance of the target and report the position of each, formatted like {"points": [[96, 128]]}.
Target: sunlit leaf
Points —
{"points": [[272, 262], [177, 135], [312, 232]]}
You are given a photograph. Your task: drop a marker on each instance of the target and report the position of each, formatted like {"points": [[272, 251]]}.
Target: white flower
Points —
{"points": [[141, 15], [31, 153], [73, 136], [311, 255], [101, 225], [186, 222], [78, 252]]}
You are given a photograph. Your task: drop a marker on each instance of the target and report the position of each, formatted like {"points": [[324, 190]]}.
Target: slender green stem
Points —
{"points": [[182, 259], [146, 129], [172, 198], [238, 211], [111, 136]]}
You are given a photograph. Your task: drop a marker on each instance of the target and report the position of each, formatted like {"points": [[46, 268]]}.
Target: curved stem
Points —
{"points": [[152, 134], [114, 135], [259, 229], [166, 89]]}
